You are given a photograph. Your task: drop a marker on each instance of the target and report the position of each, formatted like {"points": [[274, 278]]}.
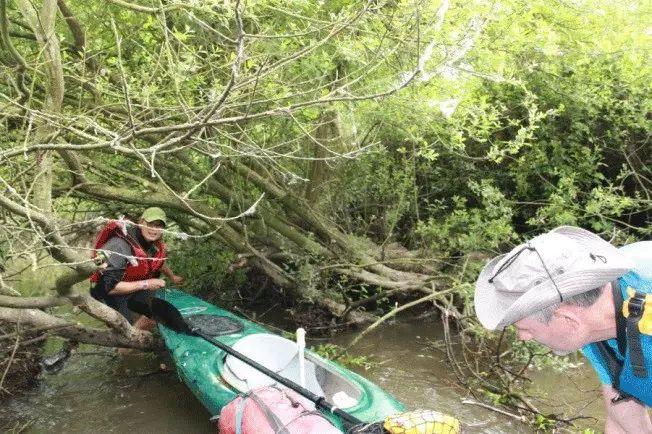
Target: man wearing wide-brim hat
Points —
{"points": [[569, 289]]}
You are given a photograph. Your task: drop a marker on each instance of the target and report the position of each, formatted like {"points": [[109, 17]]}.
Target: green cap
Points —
{"points": [[154, 213]]}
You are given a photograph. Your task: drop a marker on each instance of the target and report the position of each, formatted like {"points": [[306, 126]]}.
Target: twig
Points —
{"points": [[11, 359], [497, 410]]}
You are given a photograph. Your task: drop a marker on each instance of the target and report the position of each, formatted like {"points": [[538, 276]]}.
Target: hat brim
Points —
{"points": [[496, 309], [155, 219]]}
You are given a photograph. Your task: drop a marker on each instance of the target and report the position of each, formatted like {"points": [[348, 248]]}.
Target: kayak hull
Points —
{"points": [[201, 365]]}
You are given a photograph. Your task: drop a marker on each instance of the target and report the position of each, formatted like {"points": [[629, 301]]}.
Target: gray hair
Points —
{"points": [[584, 299]]}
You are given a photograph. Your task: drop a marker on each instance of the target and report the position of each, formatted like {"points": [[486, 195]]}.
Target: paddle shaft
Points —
{"points": [[320, 401]]}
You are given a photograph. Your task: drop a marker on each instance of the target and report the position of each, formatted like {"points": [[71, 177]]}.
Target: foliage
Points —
{"points": [[331, 351], [328, 351], [519, 120], [463, 228], [207, 267]]}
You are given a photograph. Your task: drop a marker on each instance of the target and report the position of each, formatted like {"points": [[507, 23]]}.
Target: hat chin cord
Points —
{"points": [[512, 259]]}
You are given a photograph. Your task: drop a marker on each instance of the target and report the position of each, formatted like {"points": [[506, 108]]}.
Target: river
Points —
{"points": [[99, 391]]}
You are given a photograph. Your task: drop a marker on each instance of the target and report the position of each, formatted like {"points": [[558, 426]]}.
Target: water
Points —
{"points": [[103, 392], [107, 393], [421, 377]]}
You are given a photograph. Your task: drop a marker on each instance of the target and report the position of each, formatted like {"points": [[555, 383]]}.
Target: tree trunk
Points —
{"points": [[42, 24]]}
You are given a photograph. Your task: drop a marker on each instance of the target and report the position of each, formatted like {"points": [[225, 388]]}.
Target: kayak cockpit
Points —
{"points": [[215, 325], [282, 356]]}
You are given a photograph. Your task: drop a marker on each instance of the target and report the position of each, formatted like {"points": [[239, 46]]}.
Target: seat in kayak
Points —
{"points": [[278, 354]]}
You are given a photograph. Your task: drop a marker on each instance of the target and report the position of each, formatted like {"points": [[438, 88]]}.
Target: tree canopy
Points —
{"points": [[349, 150]]}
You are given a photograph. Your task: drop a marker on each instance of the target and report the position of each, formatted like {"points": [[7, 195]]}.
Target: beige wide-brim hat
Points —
{"points": [[549, 268]]}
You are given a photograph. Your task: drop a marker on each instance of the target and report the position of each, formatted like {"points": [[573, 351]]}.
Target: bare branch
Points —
{"points": [[32, 302]]}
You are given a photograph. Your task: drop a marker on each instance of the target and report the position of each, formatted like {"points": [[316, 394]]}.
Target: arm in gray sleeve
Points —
{"points": [[117, 251]]}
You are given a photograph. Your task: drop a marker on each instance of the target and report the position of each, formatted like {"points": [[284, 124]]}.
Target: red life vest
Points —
{"points": [[144, 267]]}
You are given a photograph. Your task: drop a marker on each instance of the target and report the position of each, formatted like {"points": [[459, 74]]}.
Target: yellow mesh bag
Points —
{"points": [[422, 422]]}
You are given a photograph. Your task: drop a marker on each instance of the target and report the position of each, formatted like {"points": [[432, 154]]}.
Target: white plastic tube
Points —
{"points": [[301, 344]]}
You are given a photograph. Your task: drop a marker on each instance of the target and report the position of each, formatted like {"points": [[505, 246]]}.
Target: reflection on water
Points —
{"points": [[102, 392]]}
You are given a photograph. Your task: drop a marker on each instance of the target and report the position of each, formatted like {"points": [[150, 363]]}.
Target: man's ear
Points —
{"points": [[569, 313]]}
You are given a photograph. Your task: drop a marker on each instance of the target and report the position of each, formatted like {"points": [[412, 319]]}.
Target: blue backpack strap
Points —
{"points": [[239, 413]]}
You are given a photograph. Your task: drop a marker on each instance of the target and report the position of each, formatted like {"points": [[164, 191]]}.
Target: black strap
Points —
{"points": [[621, 322], [636, 308], [615, 366], [614, 363], [611, 359], [274, 421]]}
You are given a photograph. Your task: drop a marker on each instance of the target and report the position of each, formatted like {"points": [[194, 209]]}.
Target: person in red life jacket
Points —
{"points": [[135, 258]]}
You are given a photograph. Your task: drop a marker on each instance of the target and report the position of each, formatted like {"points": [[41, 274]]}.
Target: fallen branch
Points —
{"points": [[34, 330], [32, 302], [132, 338]]}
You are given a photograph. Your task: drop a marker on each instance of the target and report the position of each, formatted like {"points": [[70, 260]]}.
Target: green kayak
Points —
{"points": [[216, 378]]}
